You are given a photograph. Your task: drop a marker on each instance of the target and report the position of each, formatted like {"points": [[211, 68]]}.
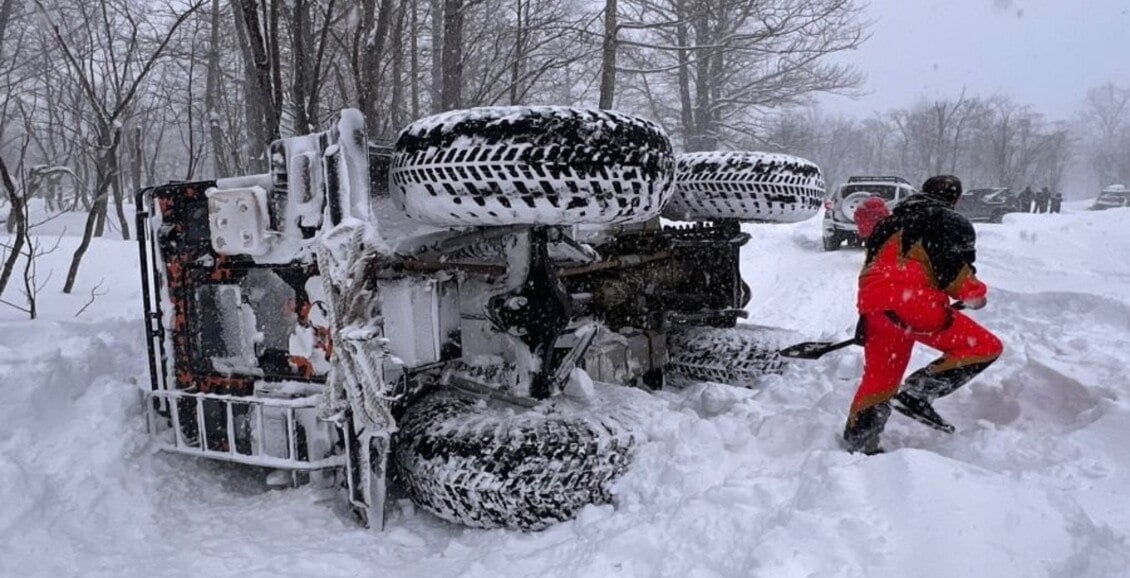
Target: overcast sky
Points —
{"points": [[1046, 53]]}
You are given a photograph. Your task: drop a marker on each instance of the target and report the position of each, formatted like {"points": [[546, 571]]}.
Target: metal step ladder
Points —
{"points": [[274, 432]]}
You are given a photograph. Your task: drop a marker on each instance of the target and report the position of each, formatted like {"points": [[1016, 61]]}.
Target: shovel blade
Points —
{"points": [[812, 349]]}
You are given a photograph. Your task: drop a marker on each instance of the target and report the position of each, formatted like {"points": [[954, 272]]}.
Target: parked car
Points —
{"points": [[987, 205], [1112, 197], [840, 206]]}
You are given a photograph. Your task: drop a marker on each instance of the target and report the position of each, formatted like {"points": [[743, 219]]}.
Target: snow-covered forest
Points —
{"points": [[153, 91]]}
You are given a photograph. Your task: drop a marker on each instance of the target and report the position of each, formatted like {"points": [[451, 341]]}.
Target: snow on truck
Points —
{"points": [[428, 319]]}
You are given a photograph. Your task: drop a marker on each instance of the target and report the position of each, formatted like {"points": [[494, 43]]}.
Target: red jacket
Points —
{"points": [[917, 260], [868, 215]]}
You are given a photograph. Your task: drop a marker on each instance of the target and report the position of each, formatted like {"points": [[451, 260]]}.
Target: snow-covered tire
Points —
{"points": [[748, 186], [489, 466], [532, 166], [738, 356]]}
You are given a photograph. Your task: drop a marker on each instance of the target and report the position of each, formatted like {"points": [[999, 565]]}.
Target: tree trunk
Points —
{"points": [[264, 111], [414, 60], [608, 55], [211, 91], [253, 100], [272, 10], [105, 164], [437, 55], [301, 44], [98, 209], [519, 52], [16, 224], [372, 37], [698, 136], [119, 198], [137, 160], [396, 106], [193, 152], [452, 96], [316, 75], [686, 105]]}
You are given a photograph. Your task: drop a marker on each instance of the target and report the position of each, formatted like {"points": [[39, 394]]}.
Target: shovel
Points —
{"points": [[814, 349], [817, 349]]}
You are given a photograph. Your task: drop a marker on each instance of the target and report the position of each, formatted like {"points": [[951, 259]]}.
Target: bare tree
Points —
{"points": [[515, 49], [22, 243], [17, 214], [257, 24], [309, 45], [609, 47], [437, 20], [727, 62], [1106, 115], [933, 135], [212, 89], [1058, 152], [451, 55], [8, 61], [114, 71]]}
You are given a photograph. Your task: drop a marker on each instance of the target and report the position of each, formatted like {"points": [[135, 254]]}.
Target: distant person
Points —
{"points": [[1056, 201], [918, 259], [868, 215], [1042, 198], [1024, 200]]}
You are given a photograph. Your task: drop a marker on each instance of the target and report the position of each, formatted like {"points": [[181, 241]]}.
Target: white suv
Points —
{"points": [[840, 206]]}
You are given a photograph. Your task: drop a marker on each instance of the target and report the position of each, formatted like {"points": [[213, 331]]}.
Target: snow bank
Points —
{"points": [[728, 482]]}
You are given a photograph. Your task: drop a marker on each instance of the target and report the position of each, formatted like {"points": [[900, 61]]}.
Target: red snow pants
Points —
{"points": [[888, 344]]}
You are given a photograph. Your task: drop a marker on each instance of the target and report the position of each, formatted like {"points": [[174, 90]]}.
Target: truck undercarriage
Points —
{"points": [[364, 315]]}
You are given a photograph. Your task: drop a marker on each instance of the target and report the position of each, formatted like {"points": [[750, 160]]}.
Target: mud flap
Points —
{"points": [[366, 468]]}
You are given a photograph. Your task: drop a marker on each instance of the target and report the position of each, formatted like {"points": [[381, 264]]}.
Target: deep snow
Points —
{"points": [[727, 482]]}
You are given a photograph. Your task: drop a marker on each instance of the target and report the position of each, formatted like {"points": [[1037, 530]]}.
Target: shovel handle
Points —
{"points": [[817, 349]]}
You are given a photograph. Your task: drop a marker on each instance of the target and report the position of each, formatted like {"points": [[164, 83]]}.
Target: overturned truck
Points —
{"points": [[427, 318]]}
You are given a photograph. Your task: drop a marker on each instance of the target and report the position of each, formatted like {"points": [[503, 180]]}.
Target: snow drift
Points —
{"points": [[726, 482]]}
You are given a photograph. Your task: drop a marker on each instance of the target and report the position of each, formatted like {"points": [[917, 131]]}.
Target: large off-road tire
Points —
{"points": [[738, 356], [532, 166], [747, 186], [486, 465], [832, 243]]}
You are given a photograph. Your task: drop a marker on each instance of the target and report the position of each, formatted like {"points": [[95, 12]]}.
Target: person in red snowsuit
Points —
{"points": [[918, 260], [868, 215]]}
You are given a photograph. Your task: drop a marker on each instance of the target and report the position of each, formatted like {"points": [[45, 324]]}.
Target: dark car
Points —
{"points": [[987, 205], [1112, 197]]}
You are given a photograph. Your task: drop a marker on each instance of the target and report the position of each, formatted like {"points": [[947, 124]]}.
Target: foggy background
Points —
{"points": [[1047, 53], [99, 98]]}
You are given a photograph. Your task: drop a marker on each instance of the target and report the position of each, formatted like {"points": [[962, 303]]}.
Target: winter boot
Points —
{"points": [[861, 434], [920, 411], [927, 384], [930, 382]]}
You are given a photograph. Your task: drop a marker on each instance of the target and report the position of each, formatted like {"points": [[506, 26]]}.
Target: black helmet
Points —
{"points": [[946, 187]]}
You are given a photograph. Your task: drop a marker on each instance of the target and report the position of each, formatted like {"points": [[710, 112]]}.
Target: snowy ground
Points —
{"points": [[729, 482]]}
